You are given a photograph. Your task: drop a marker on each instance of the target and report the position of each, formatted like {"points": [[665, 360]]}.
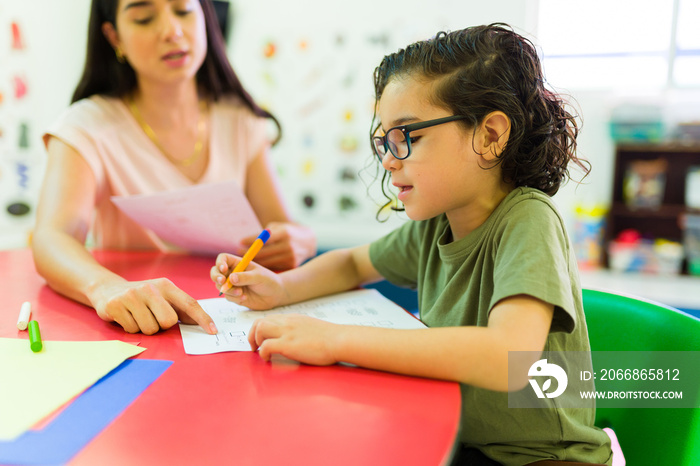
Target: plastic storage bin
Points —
{"points": [[646, 256]]}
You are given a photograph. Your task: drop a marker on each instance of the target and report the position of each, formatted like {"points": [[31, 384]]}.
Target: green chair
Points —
{"points": [[648, 436]]}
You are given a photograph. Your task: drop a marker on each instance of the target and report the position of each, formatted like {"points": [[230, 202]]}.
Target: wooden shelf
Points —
{"points": [[670, 211], [664, 222], [670, 146]]}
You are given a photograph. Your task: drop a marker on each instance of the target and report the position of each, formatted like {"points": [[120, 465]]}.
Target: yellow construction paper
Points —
{"points": [[33, 385]]}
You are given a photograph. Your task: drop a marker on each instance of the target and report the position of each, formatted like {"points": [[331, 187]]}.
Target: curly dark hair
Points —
{"points": [[482, 69]]}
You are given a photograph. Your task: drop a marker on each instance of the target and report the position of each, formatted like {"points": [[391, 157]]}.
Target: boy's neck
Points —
{"points": [[467, 220]]}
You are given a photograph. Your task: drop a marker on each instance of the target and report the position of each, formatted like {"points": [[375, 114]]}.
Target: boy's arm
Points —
{"points": [[476, 356], [473, 355], [259, 288], [335, 271]]}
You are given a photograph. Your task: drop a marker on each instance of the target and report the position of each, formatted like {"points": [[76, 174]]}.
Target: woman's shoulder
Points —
{"points": [[93, 112], [230, 103], [237, 122], [97, 106], [234, 108]]}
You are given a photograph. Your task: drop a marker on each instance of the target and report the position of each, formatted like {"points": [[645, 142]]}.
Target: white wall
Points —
{"points": [[49, 63], [318, 83]]}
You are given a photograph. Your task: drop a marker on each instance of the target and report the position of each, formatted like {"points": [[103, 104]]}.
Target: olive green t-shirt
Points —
{"points": [[522, 248]]}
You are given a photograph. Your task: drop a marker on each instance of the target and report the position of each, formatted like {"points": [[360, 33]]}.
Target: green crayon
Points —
{"points": [[35, 336]]}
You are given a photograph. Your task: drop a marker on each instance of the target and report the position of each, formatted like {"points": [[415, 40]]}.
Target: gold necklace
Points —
{"points": [[198, 145]]}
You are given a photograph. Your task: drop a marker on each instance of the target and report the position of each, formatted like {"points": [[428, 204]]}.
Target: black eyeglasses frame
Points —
{"points": [[381, 141]]}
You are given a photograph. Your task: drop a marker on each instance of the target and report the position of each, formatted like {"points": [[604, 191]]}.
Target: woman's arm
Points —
{"points": [[290, 244], [66, 203]]}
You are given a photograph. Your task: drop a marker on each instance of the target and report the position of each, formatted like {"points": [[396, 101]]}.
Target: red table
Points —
{"points": [[234, 408]]}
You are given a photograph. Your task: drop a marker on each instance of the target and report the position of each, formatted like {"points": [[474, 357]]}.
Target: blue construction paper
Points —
{"points": [[85, 417]]}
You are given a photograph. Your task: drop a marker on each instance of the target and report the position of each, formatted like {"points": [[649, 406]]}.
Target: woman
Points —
{"points": [[158, 107]]}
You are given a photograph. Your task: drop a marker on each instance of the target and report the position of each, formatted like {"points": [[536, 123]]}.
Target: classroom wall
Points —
{"points": [[315, 74], [310, 62], [42, 47]]}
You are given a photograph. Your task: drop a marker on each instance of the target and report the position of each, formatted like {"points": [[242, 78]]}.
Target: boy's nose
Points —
{"points": [[391, 163]]}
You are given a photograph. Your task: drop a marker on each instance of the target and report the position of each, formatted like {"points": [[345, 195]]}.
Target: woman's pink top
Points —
{"points": [[126, 162]]}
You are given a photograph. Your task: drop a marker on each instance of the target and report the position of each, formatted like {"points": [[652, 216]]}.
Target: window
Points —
{"points": [[602, 44], [686, 66]]}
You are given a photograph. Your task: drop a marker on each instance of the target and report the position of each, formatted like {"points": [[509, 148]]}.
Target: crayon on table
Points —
{"points": [[247, 257], [35, 336], [24, 313]]}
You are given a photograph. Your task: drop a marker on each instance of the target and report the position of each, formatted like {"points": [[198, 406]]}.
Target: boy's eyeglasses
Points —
{"points": [[398, 139]]}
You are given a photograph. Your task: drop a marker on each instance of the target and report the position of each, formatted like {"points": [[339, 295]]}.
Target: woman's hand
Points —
{"points": [[256, 288], [148, 306], [289, 245], [296, 337]]}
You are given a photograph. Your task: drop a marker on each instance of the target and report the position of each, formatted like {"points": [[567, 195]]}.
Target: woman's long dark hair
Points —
{"points": [[482, 69], [103, 74]]}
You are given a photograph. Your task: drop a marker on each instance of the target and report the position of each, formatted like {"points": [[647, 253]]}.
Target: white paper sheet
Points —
{"points": [[206, 219], [359, 307]]}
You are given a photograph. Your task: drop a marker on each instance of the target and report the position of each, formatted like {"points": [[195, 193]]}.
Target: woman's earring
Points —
{"points": [[120, 55]]}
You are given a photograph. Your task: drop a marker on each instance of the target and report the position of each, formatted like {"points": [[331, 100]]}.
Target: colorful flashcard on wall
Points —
{"points": [[346, 203], [17, 203], [270, 49], [309, 201], [268, 79], [348, 143], [19, 86], [303, 45], [23, 142], [307, 167], [380, 39], [348, 174], [18, 208], [17, 42], [22, 176], [307, 139]]}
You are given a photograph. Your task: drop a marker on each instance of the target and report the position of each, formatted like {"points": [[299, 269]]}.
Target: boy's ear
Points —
{"points": [[495, 132]]}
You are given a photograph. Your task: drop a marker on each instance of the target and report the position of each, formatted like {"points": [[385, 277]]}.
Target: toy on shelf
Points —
{"points": [[589, 229], [644, 183], [629, 252]]}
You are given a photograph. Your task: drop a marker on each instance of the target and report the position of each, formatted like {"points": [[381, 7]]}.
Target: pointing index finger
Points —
{"points": [[190, 311]]}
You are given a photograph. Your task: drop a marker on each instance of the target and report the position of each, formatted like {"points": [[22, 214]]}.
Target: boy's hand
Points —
{"points": [[296, 337], [256, 288]]}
